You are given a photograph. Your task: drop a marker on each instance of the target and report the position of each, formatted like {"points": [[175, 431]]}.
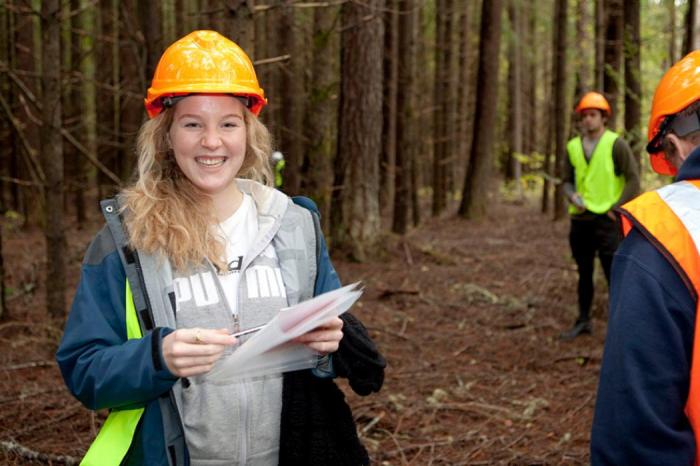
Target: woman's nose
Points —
{"points": [[211, 139]]}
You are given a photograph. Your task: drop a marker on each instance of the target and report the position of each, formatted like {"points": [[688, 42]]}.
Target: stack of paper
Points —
{"points": [[271, 350]]}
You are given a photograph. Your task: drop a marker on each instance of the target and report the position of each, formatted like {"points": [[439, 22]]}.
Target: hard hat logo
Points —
{"points": [[204, 62], [593, 100], [678, 89]]}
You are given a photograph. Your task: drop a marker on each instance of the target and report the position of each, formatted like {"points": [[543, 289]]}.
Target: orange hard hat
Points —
{"points": [[593, 100], [204, 62], [678, 89]]}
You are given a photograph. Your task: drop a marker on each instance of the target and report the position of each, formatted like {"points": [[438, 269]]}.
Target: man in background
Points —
{"points": [[600, 174]]}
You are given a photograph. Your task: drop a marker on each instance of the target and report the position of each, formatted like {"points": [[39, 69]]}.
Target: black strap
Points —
{"points": [[130, 262]]}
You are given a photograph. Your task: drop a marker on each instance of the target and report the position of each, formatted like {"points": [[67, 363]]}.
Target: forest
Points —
{"points": [[430, 133]]}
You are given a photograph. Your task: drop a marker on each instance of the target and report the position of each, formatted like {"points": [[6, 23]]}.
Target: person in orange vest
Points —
{"points": [[648, 406], [600, 174]]}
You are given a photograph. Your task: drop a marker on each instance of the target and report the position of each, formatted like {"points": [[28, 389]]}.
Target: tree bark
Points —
{"points": [[291, 98], [478, 177], [133, 81], [405, 112], [560, 79], [464, 92], [387, 170], [692, 27], [515, 111], [633, 88], [440, 90], [322, 114], [51, 142], [600, 26], [614, 39], [360, 126], [672, 47]]}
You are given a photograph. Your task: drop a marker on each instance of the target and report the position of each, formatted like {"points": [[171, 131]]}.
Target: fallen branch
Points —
{"points": [[28, 453], [27, 365]]}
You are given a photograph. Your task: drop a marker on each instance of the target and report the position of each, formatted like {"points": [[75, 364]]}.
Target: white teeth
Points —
{"points": [[210, 162]]}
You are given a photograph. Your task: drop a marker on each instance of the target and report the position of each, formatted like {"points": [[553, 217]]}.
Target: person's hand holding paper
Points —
{"points": [[277, 346]]}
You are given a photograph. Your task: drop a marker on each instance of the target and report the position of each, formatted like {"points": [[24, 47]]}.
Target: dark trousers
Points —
{"points": [[590, 235]]}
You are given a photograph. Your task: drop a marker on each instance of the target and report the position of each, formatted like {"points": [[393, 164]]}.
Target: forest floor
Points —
{"points": [[466, 313]]}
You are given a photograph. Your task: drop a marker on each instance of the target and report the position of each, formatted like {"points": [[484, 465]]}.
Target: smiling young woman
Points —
{"points": [[214, 250]]}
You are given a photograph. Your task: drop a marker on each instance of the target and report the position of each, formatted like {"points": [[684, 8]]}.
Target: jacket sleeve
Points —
{"points": [[99, 365], [626, 165], [357, 358], [639, 415]]}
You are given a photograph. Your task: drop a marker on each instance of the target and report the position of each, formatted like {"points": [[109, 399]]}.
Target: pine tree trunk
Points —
{"points": [[516, 94], [360, 126], [692, 27], [108, 108], [322, 114], [5, 126], [440, 89], [387, 170], [478, 177], [291, 99], [672, 48], [613, 56], [133, 81], [464, 92], [405, 113], [51, 142], [560, 80], [600, 25], [633, 89]]}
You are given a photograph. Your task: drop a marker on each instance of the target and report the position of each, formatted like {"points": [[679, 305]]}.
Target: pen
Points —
{"points": [[247, 331]]}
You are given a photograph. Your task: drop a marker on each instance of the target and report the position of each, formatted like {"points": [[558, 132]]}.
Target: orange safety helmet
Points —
{"points": [[677, 90], [593, 100], [204, 62]]}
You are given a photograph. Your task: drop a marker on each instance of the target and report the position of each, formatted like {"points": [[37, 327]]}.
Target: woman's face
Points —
{"points": [[208, 138]]}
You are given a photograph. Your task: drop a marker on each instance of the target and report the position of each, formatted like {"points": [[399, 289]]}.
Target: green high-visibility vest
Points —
{"points": [[114, 439], [596, 181]]}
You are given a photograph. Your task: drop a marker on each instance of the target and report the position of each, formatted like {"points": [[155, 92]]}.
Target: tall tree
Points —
{"points": [[465, 86], [691, 40], [321, 117], [672, 47], [5, 126], [515, 91], [612, 78], [132, 84], [440, 90], [633, 89], [360, 124], [88, 72], [559, 91], [51, 142], [405, 113], [478, 177], [387, 170], [600, 25], [291, 98]]}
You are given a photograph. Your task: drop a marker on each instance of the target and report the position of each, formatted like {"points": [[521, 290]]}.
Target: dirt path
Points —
{"points": [[467, 315]]}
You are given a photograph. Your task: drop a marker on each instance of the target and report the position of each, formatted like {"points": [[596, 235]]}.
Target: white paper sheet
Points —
{"points": [[271, 351]]}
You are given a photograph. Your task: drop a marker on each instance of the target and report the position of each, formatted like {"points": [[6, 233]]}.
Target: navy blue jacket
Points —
{"points": [[104, 370], [645, 374]]}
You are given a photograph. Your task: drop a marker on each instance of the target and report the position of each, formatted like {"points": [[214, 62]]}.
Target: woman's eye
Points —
{"points": [[230, 125], [191, 124]]}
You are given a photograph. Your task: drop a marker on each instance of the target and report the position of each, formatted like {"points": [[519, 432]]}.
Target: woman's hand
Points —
{"points": [[325, 338], [193, 351]]}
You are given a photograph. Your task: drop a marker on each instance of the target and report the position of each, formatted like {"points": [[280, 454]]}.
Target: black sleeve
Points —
{"points": [[626, 165], [358, 358]]}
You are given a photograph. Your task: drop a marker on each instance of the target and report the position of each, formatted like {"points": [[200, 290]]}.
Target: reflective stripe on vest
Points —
{"points": [[114, 439], [670, 218], [596, 181]]}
